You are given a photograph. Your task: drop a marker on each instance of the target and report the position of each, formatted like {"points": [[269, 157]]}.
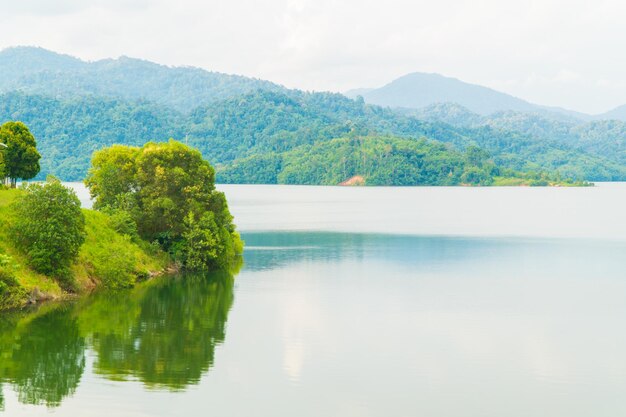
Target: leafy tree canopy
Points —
{"points": [[20, 158], [169, 190]]}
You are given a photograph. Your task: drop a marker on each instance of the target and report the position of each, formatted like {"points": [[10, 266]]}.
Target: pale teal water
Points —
{"points": [[336, 320]]}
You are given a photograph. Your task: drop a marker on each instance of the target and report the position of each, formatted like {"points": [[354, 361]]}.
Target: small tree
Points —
{"points": [[49, 227], [20, 158]]}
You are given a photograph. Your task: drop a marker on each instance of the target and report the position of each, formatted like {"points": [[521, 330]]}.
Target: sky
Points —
{"points": [[566, 53]]}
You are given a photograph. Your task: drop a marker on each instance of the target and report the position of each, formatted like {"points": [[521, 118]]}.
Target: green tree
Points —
{"points": [[169, 190], [49, 227], [20, 159], [173, 180], [112, 177], [2, 166]]}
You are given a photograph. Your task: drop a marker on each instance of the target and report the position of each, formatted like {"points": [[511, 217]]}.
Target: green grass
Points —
{"points": [[111, 259], [107, 258]]}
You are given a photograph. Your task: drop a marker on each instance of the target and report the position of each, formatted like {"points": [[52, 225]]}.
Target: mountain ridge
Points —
{"points": [[35, 70], [417, 90]]}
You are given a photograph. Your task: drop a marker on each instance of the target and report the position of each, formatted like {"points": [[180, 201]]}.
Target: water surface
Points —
{"points": [[336, 314]]}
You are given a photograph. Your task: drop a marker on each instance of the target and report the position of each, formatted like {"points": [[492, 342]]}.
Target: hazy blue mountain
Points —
{"points": [[618, 113], [419, 90], [38, 71]]}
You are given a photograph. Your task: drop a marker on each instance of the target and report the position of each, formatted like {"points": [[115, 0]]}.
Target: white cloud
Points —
{"points": [[553, 52]]}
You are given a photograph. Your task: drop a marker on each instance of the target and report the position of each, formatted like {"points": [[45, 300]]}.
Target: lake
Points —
{"points": [[425, 301]]}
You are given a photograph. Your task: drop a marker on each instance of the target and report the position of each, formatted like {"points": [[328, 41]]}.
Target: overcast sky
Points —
{"points": [[567, 53]]}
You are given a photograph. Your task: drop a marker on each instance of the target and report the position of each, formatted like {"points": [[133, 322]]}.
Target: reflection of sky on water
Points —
{"points": [[581, 212], [440, 326]]}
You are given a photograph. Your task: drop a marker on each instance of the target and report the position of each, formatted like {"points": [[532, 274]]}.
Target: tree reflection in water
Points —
{"points": [[163, 333], [43, 356]]}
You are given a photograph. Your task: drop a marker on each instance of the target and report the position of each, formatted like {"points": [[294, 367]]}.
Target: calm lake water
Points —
{"points": [[355, 302]]}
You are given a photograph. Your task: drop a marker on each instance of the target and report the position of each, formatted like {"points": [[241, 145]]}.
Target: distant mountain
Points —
{"points": [[358, 92], [618, 113], [419, 90], [39, 71], [75, 107]]}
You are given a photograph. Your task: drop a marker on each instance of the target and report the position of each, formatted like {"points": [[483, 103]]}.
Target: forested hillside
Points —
{"points": [[75, 107], [265, 123], [69, 131], [601, 138], [378, 160], [38, 71]]}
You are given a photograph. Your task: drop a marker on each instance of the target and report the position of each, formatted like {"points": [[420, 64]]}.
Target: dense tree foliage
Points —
{"points": [[68, 132], [19, 158], [168, 190], [264, 124], [49, 227], [379, 160], [37, 71], [576, 148]]}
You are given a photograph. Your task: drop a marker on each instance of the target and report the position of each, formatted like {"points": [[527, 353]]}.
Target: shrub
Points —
{"points": [[123, 223], [114, 267], [49, 227]]}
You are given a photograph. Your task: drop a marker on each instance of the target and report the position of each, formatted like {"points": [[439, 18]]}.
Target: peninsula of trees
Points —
{"points": [[156, 208]]}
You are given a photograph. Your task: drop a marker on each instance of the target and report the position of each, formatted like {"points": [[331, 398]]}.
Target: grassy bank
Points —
{"points": [[107, 258]]}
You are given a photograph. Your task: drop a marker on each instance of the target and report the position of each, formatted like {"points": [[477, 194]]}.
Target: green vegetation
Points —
{"points": [[49, 227], [75, 108], [11, 292], [19, 158], [107, 257], [264, 124], [38, 71], [529, 141], [168, 191], [68, 132], [157, 198], [381, 161]]}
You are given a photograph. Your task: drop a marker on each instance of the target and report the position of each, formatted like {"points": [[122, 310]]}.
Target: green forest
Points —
{"points": [[381, 161], [75, 108], [264, 125]]}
